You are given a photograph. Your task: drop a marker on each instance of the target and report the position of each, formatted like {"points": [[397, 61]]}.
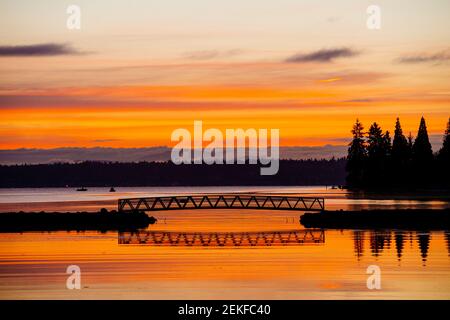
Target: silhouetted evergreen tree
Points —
{"points": [[410, 144], [378, 149], [375, 141], [422, 156], [406, 162], [409, 166], [386, 165], [444, 152], [400, 156], [422, 152], [387, 143], [444, 159], [356, 156], [400, 148]]}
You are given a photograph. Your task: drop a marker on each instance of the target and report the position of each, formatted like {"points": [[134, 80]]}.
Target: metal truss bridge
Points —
{"points": [[222, 201]]}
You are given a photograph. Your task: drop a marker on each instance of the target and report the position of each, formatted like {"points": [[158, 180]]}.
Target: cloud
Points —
{"points": [[43, 49], [360, 100], [105, 140], [333, 19], [424, 58], [324, 55], [211, 54]]}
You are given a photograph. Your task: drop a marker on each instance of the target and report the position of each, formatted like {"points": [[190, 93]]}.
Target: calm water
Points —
{"points": [[69, 199], [220, 253]]}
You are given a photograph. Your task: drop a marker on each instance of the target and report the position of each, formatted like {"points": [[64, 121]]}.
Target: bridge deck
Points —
{"points": [[223, 201]]}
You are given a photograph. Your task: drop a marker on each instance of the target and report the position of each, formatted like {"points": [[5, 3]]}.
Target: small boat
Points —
{"points": [[82, 189], [112, 189]]}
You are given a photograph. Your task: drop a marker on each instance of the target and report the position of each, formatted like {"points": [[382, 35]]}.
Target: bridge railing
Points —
{"points": [[223, 201]]}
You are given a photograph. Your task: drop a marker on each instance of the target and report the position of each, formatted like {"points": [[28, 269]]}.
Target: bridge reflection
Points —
{"points": [[223, 239]]}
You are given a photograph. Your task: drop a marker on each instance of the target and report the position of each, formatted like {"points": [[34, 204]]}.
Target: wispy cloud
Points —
{"points": [[42, 49], [424, 58], [323, 55], [212, 54], [105, 140], [333, 19], [360, 100]]}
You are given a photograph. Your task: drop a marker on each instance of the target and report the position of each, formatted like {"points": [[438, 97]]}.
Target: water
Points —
{"points": [[69, 199], [332, 265]]}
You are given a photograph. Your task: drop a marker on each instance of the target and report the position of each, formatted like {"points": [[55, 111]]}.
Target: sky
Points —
{"points": [[136, 70]]}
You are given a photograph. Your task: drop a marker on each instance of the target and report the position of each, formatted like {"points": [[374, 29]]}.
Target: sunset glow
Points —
{"points": [[130, 83]]}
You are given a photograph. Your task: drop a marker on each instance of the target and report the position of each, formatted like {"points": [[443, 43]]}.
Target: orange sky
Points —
{"points": [[310, 116], [132, 77]]}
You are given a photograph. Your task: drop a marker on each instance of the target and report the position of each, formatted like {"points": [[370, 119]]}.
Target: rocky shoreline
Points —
{"points": [[102, 220], [410, 219]]}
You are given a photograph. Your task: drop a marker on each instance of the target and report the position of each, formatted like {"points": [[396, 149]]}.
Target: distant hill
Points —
{"points": [[70, 155]]}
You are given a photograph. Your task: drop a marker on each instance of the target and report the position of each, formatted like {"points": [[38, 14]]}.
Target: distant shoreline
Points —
{"points": [[157, 174]]}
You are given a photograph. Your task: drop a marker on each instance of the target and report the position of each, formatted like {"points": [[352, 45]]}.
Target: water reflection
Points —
{"points": [[423, 239], [359, 200], [358, 238], [221, 239], [33, 264], [447, 240], [380, 241], [399, 243]]}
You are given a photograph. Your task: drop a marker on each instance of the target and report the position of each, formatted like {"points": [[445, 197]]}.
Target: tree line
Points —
{"points": [[107, 174], [376, 161]]}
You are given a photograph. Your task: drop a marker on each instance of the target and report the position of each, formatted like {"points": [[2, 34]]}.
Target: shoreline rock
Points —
{"points": [[102, 220], [409, 219]]}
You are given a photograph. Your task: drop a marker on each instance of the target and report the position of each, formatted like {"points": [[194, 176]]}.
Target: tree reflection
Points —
{"points": [[399, 243], [423, 239], [358, 239], [380, 242]]}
